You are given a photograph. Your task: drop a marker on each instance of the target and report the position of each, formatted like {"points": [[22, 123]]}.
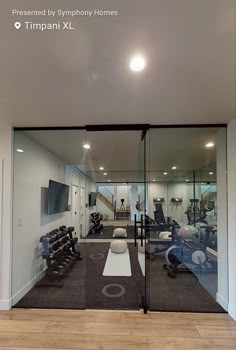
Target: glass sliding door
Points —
{"points": [[187, 220], [115, 247], [48, 267]]}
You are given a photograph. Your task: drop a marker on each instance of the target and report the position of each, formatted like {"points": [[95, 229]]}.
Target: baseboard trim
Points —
{"points": [[27, 288], [222, 301], [232, 311], [5, 304]]}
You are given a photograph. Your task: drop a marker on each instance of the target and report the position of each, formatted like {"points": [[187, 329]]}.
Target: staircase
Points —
{"points": [[105, 201]]}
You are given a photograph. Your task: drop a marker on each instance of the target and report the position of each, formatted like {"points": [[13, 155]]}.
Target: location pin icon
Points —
{"points": [[17, 25]]}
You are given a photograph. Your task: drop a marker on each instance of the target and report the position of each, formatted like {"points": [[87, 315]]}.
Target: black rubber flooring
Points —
{"points": [[107, 233], [83, 287], [185, 293]]}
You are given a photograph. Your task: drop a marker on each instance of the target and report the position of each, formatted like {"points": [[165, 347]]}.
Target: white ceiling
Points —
{"points": [[121, 152], [81, 77]]}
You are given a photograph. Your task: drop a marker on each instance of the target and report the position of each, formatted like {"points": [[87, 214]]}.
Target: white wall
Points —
{"points": [[5, 214], [168, 191], [122, 192], [231, 160]]}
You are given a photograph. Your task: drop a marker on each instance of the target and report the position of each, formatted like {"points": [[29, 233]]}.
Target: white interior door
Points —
{"points": [[75, 208], [82, 219]]}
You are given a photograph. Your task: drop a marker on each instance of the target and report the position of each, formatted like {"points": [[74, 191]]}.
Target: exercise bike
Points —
{"points": [[189, 251]]}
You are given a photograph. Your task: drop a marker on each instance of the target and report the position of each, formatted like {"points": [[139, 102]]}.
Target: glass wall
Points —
{"points": [[75, 192], [186, 220], [49, 190]]}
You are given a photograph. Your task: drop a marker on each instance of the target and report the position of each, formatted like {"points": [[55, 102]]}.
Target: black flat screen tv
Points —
{"points": [[92, 199], [58, 195]]}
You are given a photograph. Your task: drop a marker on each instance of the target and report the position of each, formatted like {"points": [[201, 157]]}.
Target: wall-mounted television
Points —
{"points": [[92, 199], [58, 195]]}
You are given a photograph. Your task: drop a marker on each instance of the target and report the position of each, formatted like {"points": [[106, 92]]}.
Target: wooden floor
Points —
{"points": [[115, 330]]}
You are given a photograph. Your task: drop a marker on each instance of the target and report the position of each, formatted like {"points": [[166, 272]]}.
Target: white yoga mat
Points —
{"points": [[117, 264]]}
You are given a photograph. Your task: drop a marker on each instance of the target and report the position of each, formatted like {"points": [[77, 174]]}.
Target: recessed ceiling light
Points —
{"points": [[165, 173], [101, 168], [211, 173], [154, 180], [173, 168], [104, 173], [187, 180], [209, 145], [109, 180], [19, 150], [86, 146], [137, 63]]}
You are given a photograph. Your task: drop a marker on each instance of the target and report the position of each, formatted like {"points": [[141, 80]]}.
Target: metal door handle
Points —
{"points": [[141, 230]]}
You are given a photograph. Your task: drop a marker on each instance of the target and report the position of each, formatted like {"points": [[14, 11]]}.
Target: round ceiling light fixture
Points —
{"points": [[19, 150], [211, 173], [209, 145], [173, 168], [86, 146], [101, 168], [104, 173], [137, 63], [165, 173]]}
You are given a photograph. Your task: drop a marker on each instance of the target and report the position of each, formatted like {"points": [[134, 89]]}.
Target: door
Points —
{"points": [[82, 213], [75, 208], [115, 244]]}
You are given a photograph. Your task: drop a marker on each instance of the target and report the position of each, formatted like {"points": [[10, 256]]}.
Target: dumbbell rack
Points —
{"points": [[60, 254], [96, 224]]}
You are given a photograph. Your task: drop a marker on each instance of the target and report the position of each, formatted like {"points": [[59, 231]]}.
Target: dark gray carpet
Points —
{"points": [[107, 233], [95, 299], [71, 296], [185, 293], [84, 284], [87, 276]]}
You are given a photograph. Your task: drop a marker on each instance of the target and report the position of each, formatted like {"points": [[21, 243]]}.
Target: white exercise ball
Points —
{"points": [[118, 246], [165, 235], [188, 232]]}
